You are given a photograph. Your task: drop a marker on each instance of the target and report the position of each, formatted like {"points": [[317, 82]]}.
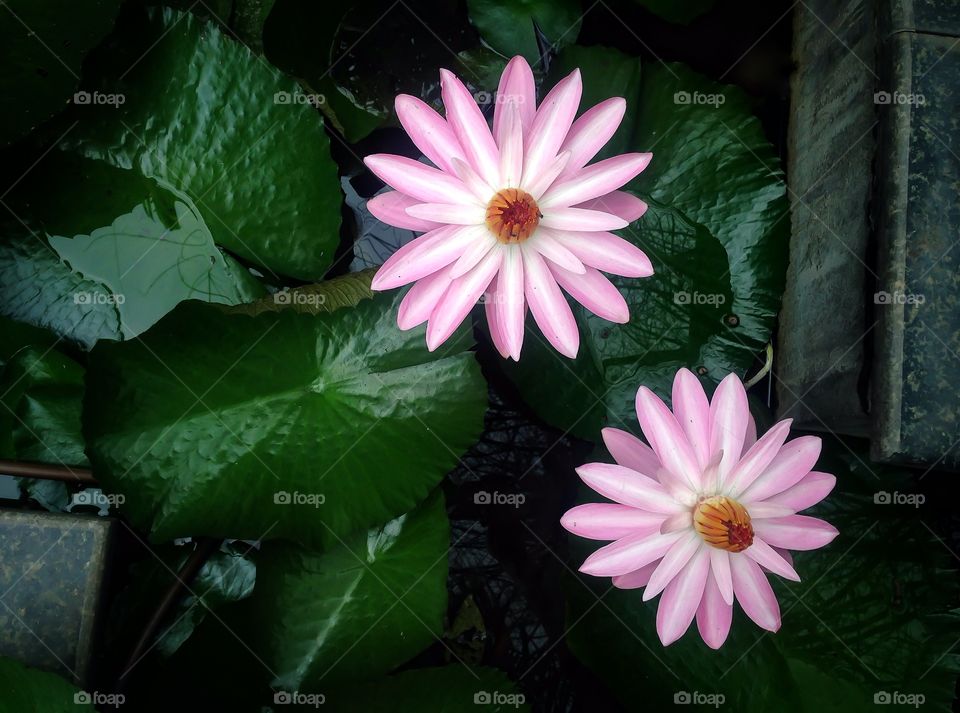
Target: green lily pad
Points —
{"points": [[715, 235], [444, 689], [281, 425], [873, 615], [130, 248], [508, 26], [256, 167], [42, 45], [28, 690], [354, 612]]}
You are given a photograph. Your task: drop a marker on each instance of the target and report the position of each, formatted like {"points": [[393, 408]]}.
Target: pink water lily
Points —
{"points": [[703, 511], [513, 214]]}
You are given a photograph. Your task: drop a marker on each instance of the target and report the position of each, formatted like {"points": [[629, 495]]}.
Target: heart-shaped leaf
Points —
{"points": [[281, 424], [508, 27], [354, 612], [28, 690], [255, 163]]}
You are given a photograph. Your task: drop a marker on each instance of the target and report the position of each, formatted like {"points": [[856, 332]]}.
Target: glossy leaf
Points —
{"points": [[354, 612], [508, 27], [280, 425], [266, 186]]}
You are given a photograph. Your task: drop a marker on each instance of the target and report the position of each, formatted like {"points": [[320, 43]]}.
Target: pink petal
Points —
{"points": [[764, 555], [635, 579], [751, 436], [548, 305], [692, 411], [416, 179], [758, 458], [795, 459], [682, 520], [630, 452], [620, 203], [666, 437], [425, 255], [470, 128], [428, 130], [482, 190], [681, 599], [728, 423], [420, 300], [391, 208], [795, 532], [510, 305], [720, 566], [754, 593], [595, 180], [627, 554], [493, 322], [595, 292], [607, 252], [608, 521], [627, 487], [472, 256], [548, 246], [580, 219], [812, 488], [511, 147], [537, 185], [517, 88], [459, 299], [550, 125], [450, 213], [714, 615], [676, 558], [591, 131], [765, 509]]}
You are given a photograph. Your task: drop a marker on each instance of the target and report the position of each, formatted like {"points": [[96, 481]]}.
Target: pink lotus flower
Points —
{"points": [[516, 213], [704, 510]]}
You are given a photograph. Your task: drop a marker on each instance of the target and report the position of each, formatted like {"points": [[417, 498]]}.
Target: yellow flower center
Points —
{"points": [[724, 523], [512, 215]]}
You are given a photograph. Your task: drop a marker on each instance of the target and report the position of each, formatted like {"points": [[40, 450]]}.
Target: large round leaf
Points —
{"points": [[716, 239], [281, 424], [104, 253], [42, 44], [354, 612], [255, 162]]}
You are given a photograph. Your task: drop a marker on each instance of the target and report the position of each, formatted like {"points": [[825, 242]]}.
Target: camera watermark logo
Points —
{"points": [[699, 99], [98, 298], [486, 98], [296, 698], [98, 699], [714, 299], [897, 498], [696, 698], [514, 500], [98, 498], [282, 497], [897, 98], [296, 297], [898, 698], [99, 99], [293, 98], [498, 698], [898, 297]]}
